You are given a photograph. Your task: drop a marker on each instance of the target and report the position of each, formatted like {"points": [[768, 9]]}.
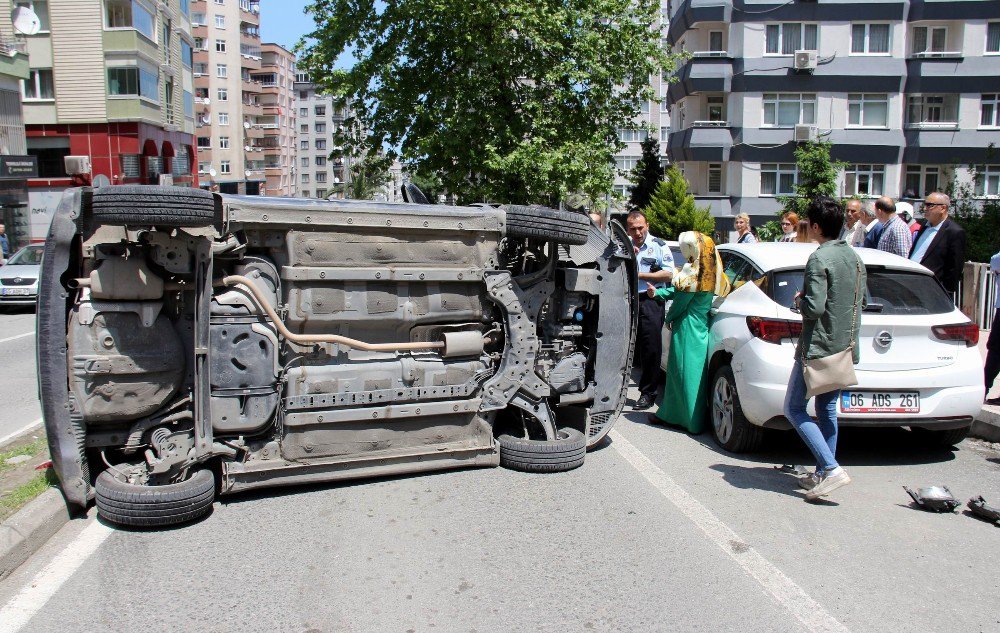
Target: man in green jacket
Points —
{"points": [[830, 302]]}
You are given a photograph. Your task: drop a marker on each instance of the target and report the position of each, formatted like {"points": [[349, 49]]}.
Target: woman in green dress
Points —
{"points": [[694, 288]]}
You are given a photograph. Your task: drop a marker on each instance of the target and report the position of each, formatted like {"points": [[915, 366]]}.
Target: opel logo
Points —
{"points": [[883, 339], [17, 280]]}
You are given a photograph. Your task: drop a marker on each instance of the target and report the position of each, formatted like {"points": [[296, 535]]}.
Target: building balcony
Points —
{"points": [[204, 154], [712, 142], [250, 12], [273, 150], [270, 89], [952, 75], [14, 59], [273, 170], [842, 74], [201, 81], [127, 41], [249, 38], [252, 87], [250, 62], [199, 30], [942, 10], [948, 146], [252, 109], [693, 12], [701, 74], [254, 132]]}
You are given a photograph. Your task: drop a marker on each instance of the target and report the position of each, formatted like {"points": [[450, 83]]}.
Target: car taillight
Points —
{"points": [[773, 330], [968, 332]]}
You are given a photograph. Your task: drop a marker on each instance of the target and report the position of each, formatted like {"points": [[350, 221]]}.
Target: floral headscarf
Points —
{"points": [[702, 270]]}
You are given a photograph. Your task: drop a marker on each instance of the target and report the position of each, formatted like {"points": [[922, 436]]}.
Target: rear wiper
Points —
{"points": [[873, 307]]}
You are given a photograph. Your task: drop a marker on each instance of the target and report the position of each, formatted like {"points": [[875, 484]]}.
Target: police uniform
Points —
{"points": [[653, 256]]}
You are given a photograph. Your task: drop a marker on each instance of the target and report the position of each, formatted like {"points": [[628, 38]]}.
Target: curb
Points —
{"points": [[987, 424], [22, 534]]}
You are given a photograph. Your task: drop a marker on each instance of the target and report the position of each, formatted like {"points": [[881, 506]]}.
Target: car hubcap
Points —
{"points": [[722, 409]]}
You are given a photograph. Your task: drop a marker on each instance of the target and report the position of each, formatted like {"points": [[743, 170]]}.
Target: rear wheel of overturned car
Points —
{"points": [[171, 207], [542, 223], [149, 506], [731, 429], [566, 452], [941, 438]]}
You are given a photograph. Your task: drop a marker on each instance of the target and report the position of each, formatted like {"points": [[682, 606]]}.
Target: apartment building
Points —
{"points": [[908, 92], [277, 120], [15, 165], [319, 174], [654, 118], [227, 97], [110, 81]]}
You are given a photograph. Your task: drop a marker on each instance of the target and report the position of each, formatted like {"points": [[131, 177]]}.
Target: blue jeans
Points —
{"points": [[820, 435]]}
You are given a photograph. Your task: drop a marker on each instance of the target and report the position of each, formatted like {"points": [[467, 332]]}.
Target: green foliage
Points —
{"points": [[369, 175], [817, 176], [671, 210], [647, 174], [513, 101], [770, 231], [980, 217]]}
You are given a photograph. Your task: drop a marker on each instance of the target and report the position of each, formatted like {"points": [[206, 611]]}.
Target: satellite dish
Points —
{"points": [[246, 148], [246, 124], [207, 101], [336, 180], [100, 180], [212, 172], [25, 21], [249, 173]]}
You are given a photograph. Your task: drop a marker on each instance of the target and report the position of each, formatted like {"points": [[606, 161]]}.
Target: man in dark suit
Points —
{"points": [[940, 244]]}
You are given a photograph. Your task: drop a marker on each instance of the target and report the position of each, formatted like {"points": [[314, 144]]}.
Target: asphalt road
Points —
{"points": [[658, 531], [18, 383]]}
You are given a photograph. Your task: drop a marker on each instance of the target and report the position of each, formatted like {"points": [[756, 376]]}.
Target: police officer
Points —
{"points": [[656, 268]]}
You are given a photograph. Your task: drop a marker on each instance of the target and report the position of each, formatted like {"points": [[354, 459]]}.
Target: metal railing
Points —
{"points": [[977, 294]]}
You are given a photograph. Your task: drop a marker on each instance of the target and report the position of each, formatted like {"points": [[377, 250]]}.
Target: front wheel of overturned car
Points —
{"points": [[566, 452], [542, 223], [173, 207], [124, 503], [731, 429]]}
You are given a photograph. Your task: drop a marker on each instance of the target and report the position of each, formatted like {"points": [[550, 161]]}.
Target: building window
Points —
{"points": [[644, 107], [921, 180], [869, 39], [223, 142], [867, 110], [221, 71], [306, 193], [305, 179], [320, 110], [303, 128], [924, 109], [38, 85], [304, 161], [130, 14], [303, 94], [133, 81], [993, 37], [626, 163], [198, 19], [321, 161], [188, 105], [204, 142], [664, 134], [224, 167], [715, 178], [619, 190], [199, 44], [303, 111], [626, 135], [929, 39], [989, 111], [717, 107], [220, 2], [220, 46], [200, 68], [787, 37], [321, 128], [864, 180], [715, 42], [320, 176], [321, 193], [786, 110], [222, 94], [180, 164], [223, 118], [220, 21], [320, 143], [187, 54], [988, 180], [303, 144], [186, 7], [778, 179], [204, 167]]}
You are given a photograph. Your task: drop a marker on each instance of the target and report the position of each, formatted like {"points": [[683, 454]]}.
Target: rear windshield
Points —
{"points": [[889, 292]]}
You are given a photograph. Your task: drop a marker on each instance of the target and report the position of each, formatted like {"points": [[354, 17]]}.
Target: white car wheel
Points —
{"points": [[730, 427], [722, 409]]}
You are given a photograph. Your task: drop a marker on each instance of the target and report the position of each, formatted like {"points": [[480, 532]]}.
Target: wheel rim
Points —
{"points": [[722, 409]]}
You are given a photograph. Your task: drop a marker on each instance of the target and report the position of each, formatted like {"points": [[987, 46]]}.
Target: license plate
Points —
{"points": [[15, 291], [880, 402]]}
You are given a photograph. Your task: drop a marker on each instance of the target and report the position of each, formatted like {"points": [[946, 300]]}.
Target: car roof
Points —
{"points": [[769, 256]]}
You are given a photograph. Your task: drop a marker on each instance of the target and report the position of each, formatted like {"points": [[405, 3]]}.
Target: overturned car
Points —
{"points": [[192, 344]]}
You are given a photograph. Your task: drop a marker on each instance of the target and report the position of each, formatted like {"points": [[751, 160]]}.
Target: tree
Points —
{"points": [[977, 214], [671, 210], [369, 175], [647, 175], [507, 100]]}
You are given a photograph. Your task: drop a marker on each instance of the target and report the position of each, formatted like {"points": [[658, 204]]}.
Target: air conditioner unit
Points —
{"points": [[166, 180], [77, 165], [805, 133], [805, 60]]}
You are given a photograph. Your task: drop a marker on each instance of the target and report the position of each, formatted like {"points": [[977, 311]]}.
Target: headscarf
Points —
{"points": [[702, 270]]}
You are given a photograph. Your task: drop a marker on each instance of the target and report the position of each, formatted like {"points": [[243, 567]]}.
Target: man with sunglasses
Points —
{"points": [[940, 244]]}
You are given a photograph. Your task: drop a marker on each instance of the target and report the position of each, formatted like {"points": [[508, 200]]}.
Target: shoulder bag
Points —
{"points": [[834, 372]]}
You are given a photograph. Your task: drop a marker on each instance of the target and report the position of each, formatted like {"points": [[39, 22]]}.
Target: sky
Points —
{"points": [[285, 22]]}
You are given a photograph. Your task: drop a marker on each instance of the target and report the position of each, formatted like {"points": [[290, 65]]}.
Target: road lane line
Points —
{"points": [[14, 338], [792, 597], [30, 600], [24, 429]]}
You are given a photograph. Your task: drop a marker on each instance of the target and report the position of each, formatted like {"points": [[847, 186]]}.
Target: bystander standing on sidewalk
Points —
{"points": [[992, 369], [896, 237], [940, 244]]}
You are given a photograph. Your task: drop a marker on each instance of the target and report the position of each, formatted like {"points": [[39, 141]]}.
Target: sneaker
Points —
{"points": [[993, 402], [831, 481], [644, 402], [809, 481]]}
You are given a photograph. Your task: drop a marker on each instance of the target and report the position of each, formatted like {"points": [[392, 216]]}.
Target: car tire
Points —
{"points": [[154, 205], [152, 506], [942, 438], [566, 452], [541, 223], [730, 428]]}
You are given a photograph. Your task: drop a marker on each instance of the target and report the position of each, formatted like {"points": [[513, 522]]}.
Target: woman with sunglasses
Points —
{"points": [[789, 226]]}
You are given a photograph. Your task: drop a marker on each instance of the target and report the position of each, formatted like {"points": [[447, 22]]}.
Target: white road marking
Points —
{"points": [[24, 429], [792, 597], [14, 338], [33, 597]]}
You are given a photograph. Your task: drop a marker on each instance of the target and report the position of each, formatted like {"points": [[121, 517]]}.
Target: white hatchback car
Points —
{"points": [[919, 368]]}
